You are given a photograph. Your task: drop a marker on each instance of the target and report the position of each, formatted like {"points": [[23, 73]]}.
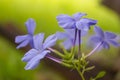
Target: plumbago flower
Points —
{"points": [[103, 39], [76, 21], [74, 28], [34, 55], [78, 25], [26, 39], [69, 37]]}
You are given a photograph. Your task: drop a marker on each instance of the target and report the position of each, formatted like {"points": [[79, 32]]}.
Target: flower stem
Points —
{"points": [[58, 61], [79, 41], [94, 49], [73, 47], [54, 59], [57, 52], [80, 73], [75, 37]]}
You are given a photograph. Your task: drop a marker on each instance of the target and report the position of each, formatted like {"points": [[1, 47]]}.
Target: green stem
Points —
{"points": [[57, 52], [64, 50], [80, 73], [72, 52], [67, 65]]}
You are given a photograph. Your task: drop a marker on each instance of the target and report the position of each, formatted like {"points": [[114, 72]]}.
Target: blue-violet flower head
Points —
{"points": [[105, 37], [75, 22], [33, 56], [28, 38], [69, 36]]}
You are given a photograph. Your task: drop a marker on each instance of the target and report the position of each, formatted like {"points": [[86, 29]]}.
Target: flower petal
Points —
{"points": [[95, 39], [23, 44], [99, 31], [68, 33], [78, 16], [66, 21], [33, 63], [19, 39], [38, 40], [30, 24], [83, 32], [110, 35], [85, 23], [31, 42], [50, 41], [89, 21], [67, 44], [82, 26], [29, 55], [61, 35], [106, 45], [114, 43]]}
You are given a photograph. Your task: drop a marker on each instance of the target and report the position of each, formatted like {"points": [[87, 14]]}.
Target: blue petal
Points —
{"points": [[99, 31], [30, 24], [68, 33], [29, 55], [106, 45], [89, 21], [114, 43], [66, 21], [71, 33], [83, 32], [67, 44], [31, 42], [23, 44], [33, 63], [61, 35], [96, 39], [82, 26], [110, 35], [50, 41], [38, 41], [19, 39], [78, 16]]}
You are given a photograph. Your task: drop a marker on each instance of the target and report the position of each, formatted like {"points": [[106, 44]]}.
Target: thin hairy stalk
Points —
{"points": [[94, 49], [79, 41], [56, 52], [73, 47], [80, 73], [53, 58], [58, 61], [75, 37]]}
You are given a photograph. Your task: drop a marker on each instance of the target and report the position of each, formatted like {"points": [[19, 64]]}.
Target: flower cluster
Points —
{"points": [[75, 27]]}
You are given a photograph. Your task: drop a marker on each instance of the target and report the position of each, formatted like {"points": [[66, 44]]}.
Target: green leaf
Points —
{"points": [[92, 79], [100, 75], [89, 68]]}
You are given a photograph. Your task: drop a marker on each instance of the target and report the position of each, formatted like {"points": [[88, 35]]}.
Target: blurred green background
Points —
{"points": [[44, 12]]}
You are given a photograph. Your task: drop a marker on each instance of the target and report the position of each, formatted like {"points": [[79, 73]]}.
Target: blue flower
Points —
{"points": [[33, 56], [78, 25], [105, 38], [69, 36], [26, 39], [76, 21]]}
